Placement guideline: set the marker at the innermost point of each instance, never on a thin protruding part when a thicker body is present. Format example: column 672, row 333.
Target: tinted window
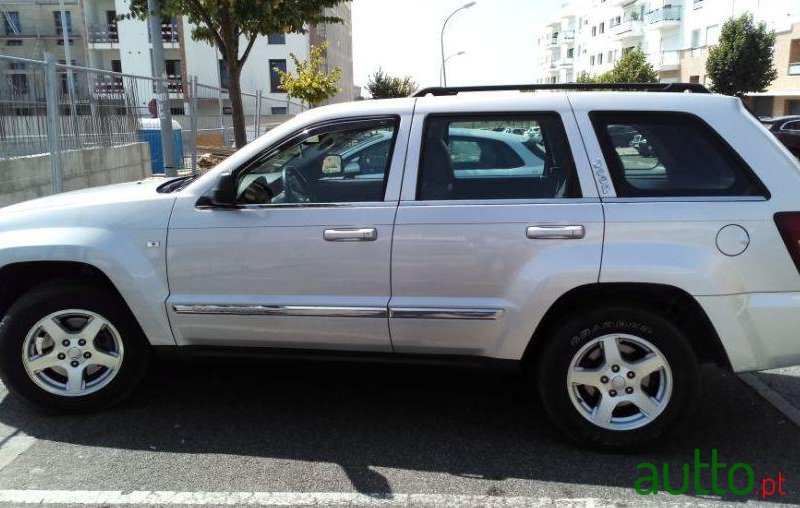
column 670, row 154
column 791, row 126
column 345, row 164
column 496, row 157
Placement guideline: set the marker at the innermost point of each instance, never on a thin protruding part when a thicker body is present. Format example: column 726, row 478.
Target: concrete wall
column 28, row 177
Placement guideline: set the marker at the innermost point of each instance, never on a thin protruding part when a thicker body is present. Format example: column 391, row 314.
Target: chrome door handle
column 351, row 235
column 556, row 232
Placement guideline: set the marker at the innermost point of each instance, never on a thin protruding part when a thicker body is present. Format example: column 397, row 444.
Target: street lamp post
column 444, row 25
column 445, row 63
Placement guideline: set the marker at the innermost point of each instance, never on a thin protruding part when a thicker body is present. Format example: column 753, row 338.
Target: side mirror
column 225, row 193
column 332, row 165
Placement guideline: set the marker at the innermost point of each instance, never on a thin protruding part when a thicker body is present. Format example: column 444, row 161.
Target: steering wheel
column 295, row 186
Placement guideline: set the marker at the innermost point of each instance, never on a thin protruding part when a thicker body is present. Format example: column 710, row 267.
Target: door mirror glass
column 352, row 168
column 332, row 165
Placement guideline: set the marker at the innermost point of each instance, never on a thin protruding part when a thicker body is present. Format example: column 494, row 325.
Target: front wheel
column 618, row 377
column 71, row 348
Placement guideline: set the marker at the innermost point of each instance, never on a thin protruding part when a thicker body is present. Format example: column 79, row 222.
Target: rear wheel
column 71, row 348
column 618, row 377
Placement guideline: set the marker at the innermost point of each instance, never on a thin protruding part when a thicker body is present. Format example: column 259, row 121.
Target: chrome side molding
column 351, row 312
column 282, row 310
column 445, row 313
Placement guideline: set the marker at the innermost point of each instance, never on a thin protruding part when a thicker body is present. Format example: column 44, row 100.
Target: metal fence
column 66, row 111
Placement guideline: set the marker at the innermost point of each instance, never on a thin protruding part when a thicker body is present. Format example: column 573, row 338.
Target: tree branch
column 200, row 11
column 247, row 49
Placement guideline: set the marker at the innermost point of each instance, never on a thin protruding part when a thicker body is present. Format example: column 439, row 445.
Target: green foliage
column 384, row 86
column 223, row 23
column 633, row 67
column 311, row 84
column 742, row 61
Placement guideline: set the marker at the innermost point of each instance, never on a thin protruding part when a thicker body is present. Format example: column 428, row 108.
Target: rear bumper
column 759, row 331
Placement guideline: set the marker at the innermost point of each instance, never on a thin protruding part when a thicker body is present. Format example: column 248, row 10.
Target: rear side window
column 656, row 154
column 496, row 157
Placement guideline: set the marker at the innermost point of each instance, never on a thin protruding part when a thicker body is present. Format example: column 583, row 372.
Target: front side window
column 502, row 157
column 657, row 154
column 342, row 164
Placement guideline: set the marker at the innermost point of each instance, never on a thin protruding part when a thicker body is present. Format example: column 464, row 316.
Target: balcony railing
column 664, row 14
column 103, row 33
column 174, row 84
column 112, row 84
column 169, row 32
column 567, row 36
column 631, row 26
column 670, row 60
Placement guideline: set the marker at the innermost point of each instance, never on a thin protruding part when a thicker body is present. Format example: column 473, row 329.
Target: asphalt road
column 399, row 435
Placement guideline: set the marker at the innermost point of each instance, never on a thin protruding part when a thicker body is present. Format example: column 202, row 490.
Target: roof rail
column 580, row 87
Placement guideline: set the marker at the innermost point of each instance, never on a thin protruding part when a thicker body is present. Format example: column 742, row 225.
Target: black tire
column 44, row 300
column 578, row 330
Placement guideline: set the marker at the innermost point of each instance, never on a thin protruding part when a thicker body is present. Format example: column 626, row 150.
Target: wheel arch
column 676, row 304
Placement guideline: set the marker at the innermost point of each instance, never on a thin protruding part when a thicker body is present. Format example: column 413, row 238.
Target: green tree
column 311, row 85
column 633, row 67
column 224, row 23
column 384, row 86
column 742, row 61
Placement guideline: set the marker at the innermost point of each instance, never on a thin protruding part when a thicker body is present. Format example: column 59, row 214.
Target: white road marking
column 167, row 498
column 775, row 398
column 13, row 446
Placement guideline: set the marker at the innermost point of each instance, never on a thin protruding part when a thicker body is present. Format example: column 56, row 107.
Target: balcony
column 669, row 61
column 103, row 35
column 630, row 29
column 552, row 41
column 174, row 85
column 567, row 37
column 663, row 18
column 107, row 85
column 566, row 62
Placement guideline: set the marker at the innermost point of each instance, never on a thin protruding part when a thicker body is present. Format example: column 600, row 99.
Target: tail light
column 789, row 226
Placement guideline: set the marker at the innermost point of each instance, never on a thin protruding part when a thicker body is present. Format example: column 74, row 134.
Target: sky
column 402, row 37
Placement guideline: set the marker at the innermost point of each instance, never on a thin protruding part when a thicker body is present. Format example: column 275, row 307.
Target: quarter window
column 670, row 154
column 340, row 164
column 502, row 157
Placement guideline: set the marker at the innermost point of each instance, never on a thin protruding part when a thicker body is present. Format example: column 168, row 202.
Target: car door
column 302, row 261
column 486, row 240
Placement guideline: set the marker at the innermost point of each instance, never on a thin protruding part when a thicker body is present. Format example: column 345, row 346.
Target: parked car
column 787, row 130
column 407, row 230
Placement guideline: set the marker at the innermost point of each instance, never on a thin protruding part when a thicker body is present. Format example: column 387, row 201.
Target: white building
column 590, row 36
column 100, row 41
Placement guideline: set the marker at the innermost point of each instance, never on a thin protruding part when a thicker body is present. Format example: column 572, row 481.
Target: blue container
column 150, row 131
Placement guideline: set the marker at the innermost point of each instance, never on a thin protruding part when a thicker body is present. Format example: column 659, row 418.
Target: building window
column 57, row 22
column 695, row 39
column 276, row 39
column 111, row 26
column 591, row 60
column 224, row 78
column 594, row 31
column 174, row 83
column 599, row 59
column 274, row 77
column 610, row 56
column 279, row 110
column 694, row 79
column 11, row 23
column 794, row 57
column 792, row 107
column 602, row 28
column 18, row 78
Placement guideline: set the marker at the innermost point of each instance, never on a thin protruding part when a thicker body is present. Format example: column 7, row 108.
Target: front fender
column 137, row 270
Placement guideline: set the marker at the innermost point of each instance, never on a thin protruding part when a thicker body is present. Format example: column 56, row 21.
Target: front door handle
column 556, row 232
column 351, row 235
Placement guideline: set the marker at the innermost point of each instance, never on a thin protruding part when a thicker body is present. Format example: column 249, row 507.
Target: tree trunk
column 237, row 108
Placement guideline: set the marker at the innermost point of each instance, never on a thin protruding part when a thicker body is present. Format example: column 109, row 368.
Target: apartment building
column 590, row 36
column 98, row 39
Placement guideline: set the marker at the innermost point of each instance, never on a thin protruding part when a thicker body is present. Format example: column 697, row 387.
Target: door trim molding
column 483, row 314
column 281, row 310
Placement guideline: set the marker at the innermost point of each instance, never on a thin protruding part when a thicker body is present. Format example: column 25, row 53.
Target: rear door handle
column 351, row 235
column 556, row 232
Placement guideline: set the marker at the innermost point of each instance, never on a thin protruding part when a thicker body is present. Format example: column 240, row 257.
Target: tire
column 577, row 383
column 87, row 368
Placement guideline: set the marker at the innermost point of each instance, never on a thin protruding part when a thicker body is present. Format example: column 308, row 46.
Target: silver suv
column 620, row 242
